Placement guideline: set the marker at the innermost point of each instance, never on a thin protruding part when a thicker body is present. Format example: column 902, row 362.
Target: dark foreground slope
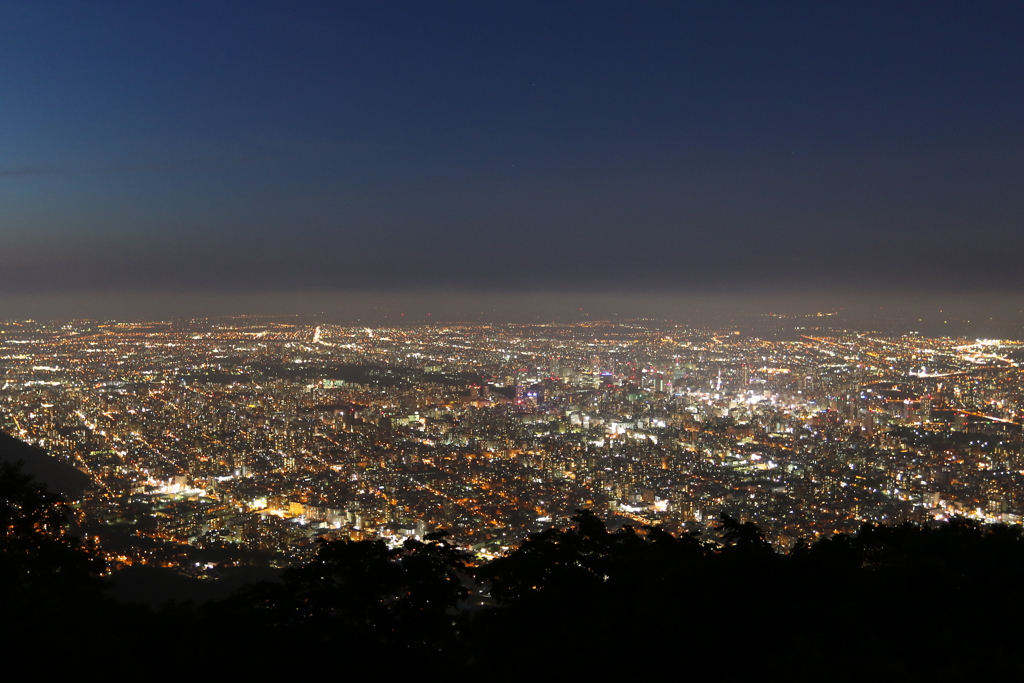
column 41, row 466
column 885, row 602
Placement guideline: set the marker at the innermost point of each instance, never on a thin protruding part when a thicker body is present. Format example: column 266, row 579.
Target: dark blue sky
column 161, row 158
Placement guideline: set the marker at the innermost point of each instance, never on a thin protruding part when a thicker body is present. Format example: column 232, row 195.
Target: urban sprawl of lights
column 244, row 438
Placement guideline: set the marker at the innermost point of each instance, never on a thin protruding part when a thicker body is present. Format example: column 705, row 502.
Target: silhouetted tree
column 40, row 563
column 370, row 596
column 743, row 539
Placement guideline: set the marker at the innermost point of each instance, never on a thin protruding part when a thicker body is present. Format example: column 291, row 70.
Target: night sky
column 193, row 158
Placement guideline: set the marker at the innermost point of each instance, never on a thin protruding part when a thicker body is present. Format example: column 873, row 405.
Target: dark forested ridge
column 886, row 601
column 36, row 462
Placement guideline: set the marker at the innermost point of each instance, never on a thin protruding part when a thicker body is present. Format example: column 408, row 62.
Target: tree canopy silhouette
column 368, row 594
column 42, row 567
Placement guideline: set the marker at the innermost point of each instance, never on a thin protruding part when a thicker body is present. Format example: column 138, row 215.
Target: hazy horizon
column 952, row 315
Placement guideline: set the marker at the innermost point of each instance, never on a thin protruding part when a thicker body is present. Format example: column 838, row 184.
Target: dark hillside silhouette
column 40, row 564
column 917, row 600
column 48, row 578
column 55, row 475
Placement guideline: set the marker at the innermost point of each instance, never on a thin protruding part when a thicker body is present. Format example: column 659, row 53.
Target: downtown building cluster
column 244, row 440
